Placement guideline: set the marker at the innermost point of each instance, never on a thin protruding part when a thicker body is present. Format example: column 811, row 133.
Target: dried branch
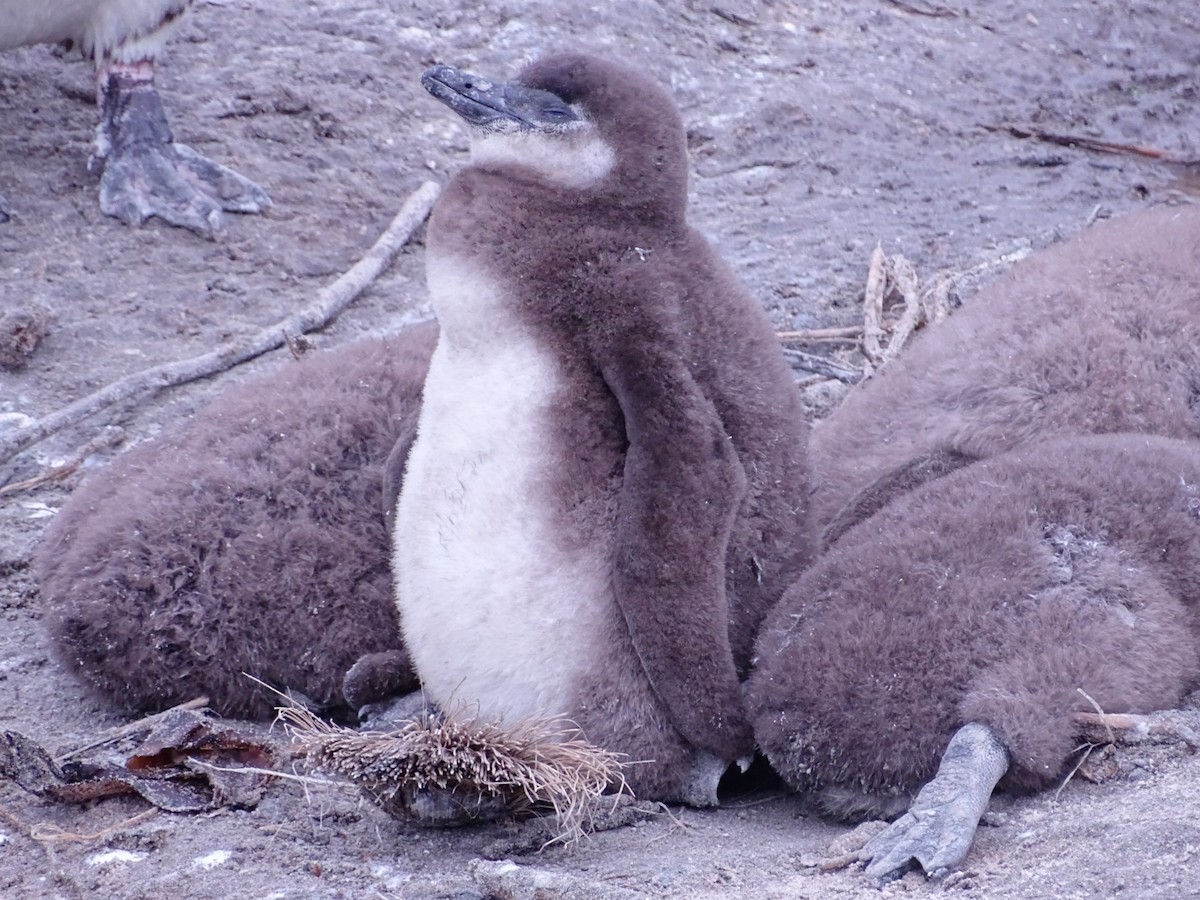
column 822, row 366
column 1094, row 144
column 328, row 304
column 873, row 295
column 109, row 437
column 845, row 333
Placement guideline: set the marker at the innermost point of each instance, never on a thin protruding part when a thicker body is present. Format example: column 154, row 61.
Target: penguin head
column 577, row 122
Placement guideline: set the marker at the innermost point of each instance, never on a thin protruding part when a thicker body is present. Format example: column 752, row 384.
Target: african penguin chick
column 250, row 540
column 969, row 621
column 145, row 172
column 607, row 487
column 1098, row 334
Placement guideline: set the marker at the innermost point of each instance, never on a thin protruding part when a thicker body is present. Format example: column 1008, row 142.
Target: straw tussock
column 536, row 763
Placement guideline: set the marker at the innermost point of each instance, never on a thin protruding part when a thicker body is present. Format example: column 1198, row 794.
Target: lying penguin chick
column 1098, row 334
column 145, row 172
column 601, row 502
column 970, row 620
column 251, row 540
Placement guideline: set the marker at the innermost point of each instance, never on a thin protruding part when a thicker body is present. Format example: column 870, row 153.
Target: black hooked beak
column 483, row 102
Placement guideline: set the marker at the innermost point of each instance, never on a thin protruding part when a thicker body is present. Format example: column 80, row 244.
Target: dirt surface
column 817, row 129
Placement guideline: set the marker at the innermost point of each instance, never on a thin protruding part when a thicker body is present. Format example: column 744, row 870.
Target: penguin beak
column 499, row 106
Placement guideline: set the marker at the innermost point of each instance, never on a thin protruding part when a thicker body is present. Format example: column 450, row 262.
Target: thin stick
column 822, row 366
column 873, row 295
column 331, row 301
column 1112, row 738
column 109, row 437
column 821, row 334
column 121, row 731
column 905, row 278
column 1087, row 143
column 933, row 12
column 49, row 831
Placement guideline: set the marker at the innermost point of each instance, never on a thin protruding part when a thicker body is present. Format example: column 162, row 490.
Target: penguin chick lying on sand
column 977, row 600
column 145, row 172
column 251, row 540
column 968, row 621
column 607, row 489
column 1098, row 334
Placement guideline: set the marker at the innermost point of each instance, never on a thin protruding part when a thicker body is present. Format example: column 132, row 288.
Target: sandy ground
column 817, row 129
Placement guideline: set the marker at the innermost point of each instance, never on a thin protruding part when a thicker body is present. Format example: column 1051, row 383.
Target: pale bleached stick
column 873, row 295
column 331, row 301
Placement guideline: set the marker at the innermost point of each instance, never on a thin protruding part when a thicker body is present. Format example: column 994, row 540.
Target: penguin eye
column 558, row 113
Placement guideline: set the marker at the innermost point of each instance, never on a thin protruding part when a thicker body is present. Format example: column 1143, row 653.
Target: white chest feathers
column 497, row 614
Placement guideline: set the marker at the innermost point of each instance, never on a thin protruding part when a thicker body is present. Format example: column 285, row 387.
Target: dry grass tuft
column 534, row 763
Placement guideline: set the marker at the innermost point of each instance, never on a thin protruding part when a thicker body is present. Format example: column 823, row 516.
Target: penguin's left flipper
column 682, row 487
column 147, row 174
column 938, row 828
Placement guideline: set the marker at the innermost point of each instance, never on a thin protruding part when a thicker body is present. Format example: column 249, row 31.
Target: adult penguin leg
column 146, row 173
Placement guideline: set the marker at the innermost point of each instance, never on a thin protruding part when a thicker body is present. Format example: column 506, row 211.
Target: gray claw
column 937, row 831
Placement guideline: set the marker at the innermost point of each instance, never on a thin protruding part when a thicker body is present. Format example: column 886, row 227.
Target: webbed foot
column 147, row 174
column 938, row 828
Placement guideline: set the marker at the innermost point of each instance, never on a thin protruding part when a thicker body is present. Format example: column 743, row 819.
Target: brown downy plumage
column 1007, row 593
column 1098, row 334
column 648, row 476
column 249, row 540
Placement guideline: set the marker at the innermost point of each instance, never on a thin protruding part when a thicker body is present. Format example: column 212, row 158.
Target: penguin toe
column 176, row 184
column 938, row 828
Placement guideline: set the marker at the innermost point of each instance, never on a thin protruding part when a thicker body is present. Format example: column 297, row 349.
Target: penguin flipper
column 887, row 487
column 682, row 487
column 147, row 174
column 938, row 828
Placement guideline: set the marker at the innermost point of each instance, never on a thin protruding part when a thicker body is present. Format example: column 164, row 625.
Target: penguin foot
column 378, row 676
column 147, row 174
column 938, row 828
column 437, row 807
column 1165, row 726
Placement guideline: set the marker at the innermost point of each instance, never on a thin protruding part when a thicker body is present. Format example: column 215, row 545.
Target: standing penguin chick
column 145, row 172
column 606, row 492
column 251, row 540
column 961, row 628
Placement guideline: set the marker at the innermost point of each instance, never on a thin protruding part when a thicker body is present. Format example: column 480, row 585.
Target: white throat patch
column 576, row 158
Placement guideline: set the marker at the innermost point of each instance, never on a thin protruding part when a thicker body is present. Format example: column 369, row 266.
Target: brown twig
column 848, row 332
column 822, row 366
column 109, row 437
column 933, row 12
column 49, row 831
column 873, row 294
column 1094, row 144
column 328, row 304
